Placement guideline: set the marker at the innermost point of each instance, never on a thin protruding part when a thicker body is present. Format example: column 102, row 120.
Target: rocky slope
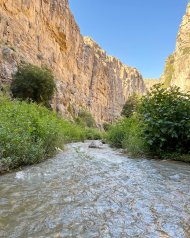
column 44, row 32
column 177, row 70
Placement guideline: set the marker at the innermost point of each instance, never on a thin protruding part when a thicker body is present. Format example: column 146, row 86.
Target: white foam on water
column 20, row 175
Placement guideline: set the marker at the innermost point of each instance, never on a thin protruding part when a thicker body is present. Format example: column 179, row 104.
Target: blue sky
column 141, row 33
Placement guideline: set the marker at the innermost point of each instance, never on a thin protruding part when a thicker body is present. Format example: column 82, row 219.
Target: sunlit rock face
column 150, row 82
column 181, row 75
column 44, row 32
column 180, row 64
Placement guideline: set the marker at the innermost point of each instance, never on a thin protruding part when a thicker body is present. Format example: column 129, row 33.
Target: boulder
column 96, row 145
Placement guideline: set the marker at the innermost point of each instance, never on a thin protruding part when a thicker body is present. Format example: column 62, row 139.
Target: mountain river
column 96, row 193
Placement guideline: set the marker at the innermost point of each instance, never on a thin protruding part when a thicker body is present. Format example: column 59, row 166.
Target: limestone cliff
column 177, row 70
column 150, row 82
column 167, row 76
column 44, row 32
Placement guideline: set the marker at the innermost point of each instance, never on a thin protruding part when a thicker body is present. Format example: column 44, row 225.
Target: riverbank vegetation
column 159, row 125
column 85, row 120
column 33, row 83
column 29, row 131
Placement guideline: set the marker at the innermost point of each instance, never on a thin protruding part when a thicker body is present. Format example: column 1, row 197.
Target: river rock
column 96, row 145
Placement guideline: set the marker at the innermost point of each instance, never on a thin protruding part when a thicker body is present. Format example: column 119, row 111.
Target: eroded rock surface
column 44, row 32
column 150, row 82
column 178, row 64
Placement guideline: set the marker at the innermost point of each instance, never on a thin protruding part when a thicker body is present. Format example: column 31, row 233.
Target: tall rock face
column 44, row 32
column 150, row 82
column 167, row 76
column 177, row 70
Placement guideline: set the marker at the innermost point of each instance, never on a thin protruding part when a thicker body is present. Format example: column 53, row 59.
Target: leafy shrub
column 166, row 115
column 33, row 83
column 85, row 119
column 30, row 133
column 134, row 140
column 117, row 133
column 130, row 106
column 93, row 134
column 106, row 126
column 128, row 133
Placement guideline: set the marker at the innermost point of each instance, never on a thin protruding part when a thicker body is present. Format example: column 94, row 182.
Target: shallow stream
column 96, row 193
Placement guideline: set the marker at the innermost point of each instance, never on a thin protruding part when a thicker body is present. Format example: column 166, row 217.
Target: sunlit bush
column 85, row 119
column 29, row 133
column 128, row 133
column 166, row 116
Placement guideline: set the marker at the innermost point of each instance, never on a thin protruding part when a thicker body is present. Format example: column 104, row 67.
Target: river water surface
column 96, row 193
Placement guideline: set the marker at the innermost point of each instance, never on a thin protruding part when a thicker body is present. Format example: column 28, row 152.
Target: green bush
column 166, row 115
column 33, row 83
column 85, row 119
column 161, row 125
column 134, row 140
column 128, row 133
column 130, row 106
column 117, row 133
column 30, row 133
column 106, row 126
column 93, row 134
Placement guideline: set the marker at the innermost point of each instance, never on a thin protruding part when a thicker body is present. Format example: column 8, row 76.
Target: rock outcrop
column 44, row 32
column 167, row 76
column 150, row 82
column 177, row 70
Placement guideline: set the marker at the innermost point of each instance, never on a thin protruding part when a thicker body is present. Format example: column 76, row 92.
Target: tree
column 130, row 105
column 33, row 83
column 166, row 115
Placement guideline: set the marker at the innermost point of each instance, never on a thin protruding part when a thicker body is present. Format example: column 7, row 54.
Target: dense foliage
column 130, row 106
column 160, row 126
column 166, row 115
column 85, row 119
column 128, row 133
column 33, row 83
column 93, row 134
column 30, row 133
column 106, row 126
column 88, row 123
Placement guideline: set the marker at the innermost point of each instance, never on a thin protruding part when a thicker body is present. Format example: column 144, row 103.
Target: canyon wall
column 177, row 69
column 44, row 32
column 150, row 82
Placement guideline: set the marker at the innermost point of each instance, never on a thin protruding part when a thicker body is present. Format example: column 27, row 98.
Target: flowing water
column 96, row 193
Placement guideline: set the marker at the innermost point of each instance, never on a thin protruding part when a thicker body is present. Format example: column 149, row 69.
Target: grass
column 128, row 134
column 176, row 157
column 30, row 133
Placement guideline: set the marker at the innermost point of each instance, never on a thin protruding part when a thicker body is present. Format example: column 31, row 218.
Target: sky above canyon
column 140, row 33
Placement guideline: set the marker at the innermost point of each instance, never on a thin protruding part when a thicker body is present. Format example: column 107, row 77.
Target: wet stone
column 96, row 144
